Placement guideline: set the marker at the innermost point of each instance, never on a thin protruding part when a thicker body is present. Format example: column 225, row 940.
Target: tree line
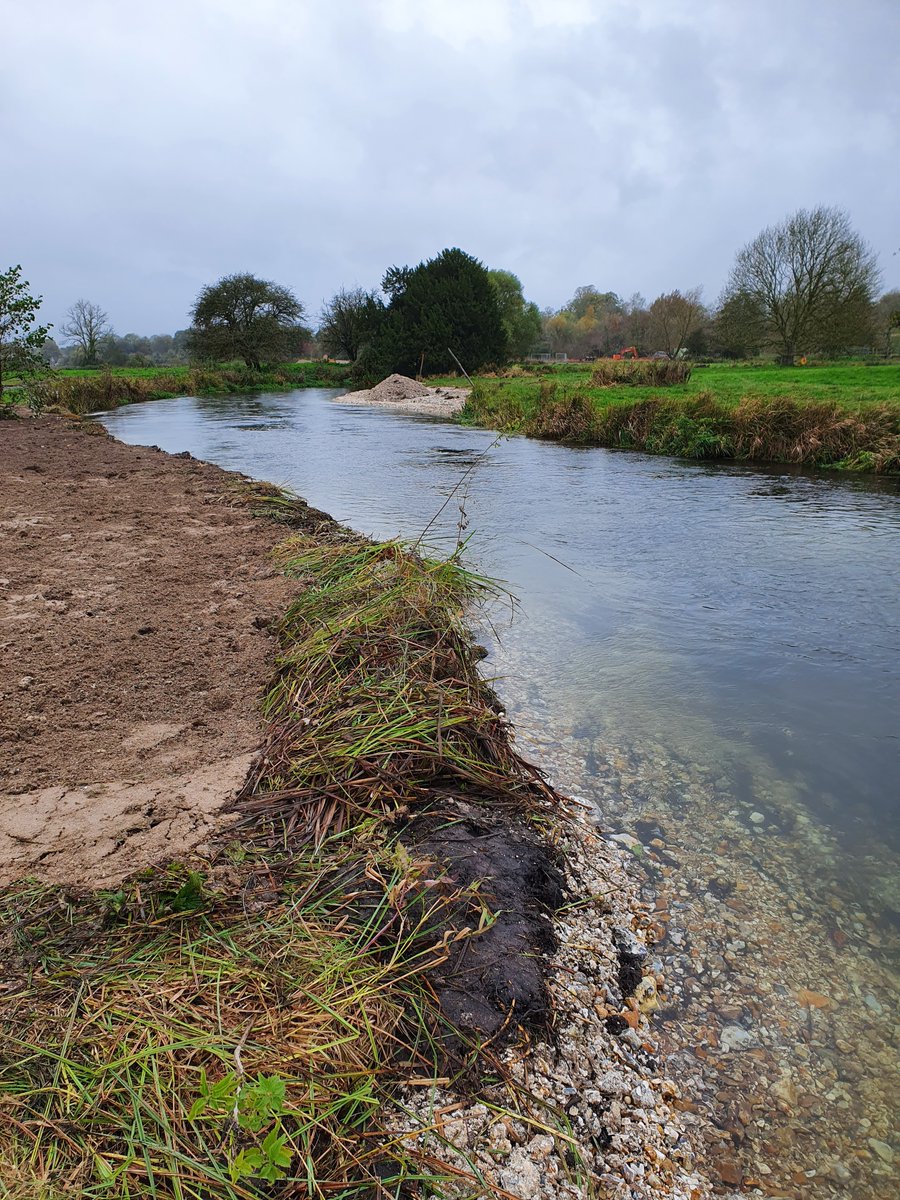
column 93, row 342
column 805, row 286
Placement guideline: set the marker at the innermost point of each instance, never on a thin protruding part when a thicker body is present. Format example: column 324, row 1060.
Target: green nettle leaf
column 271, row 1090
column 247, row 1162
column 216, row 1098
column 250, row 1120
column 276, row 1155
column 259, row 1106
column 260, row 1102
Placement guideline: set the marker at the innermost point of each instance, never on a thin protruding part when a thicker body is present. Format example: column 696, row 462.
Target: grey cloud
column 635, row 146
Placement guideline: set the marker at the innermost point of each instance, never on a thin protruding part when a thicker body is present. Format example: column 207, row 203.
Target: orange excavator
column 628, row 352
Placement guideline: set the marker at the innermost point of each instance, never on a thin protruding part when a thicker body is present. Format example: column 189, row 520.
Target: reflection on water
column 709, row 654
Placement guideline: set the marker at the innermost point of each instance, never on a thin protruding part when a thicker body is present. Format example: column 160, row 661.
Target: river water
column 708, row 654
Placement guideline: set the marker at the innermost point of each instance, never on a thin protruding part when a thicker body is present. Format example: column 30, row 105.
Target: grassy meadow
column 850, row 385
column 829, row 414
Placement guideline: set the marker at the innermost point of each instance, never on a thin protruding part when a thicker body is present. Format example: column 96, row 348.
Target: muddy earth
column 136, row 594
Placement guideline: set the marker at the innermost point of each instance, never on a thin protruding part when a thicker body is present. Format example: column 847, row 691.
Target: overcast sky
column 149, row 148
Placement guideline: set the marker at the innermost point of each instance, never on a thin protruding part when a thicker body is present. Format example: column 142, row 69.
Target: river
column 708, row 654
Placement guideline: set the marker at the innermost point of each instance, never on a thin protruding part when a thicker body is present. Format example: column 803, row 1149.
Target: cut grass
column 240, row 1030
column 125, row 1013
column 378, row 700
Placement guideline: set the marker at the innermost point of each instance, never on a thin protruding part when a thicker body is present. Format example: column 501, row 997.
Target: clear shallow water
column 708, row 654
column 723, row 612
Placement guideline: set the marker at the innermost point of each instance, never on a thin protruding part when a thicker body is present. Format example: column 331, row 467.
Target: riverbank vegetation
column 242, row 1026
column 828, row 415
column 81, row 392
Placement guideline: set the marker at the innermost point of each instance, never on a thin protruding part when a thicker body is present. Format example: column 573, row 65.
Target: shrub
column 572, row 420
column 640, row 372
column 824, row 434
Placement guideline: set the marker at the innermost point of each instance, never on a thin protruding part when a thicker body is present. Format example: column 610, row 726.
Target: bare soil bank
column 135, row 594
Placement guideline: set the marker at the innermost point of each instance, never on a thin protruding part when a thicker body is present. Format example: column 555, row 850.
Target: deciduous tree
column 243, row 317
column 636, row 323
column 588, row 301
column 739, row 328
column 803, row 276
column 591, row 324
column 21, row 340
column 348, row 322
column 887, row 321
column 674, row 316
column 521, row 319
column 86, row 324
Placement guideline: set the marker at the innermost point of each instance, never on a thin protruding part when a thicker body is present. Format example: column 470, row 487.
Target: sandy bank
column 401, row 394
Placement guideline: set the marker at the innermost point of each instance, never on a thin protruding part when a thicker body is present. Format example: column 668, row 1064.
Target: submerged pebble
column 770, row 1010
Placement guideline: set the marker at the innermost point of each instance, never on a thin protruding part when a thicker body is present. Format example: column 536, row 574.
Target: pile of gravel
column 402, row 394
column 398, row 387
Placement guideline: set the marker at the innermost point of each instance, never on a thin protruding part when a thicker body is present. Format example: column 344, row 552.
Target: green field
column 836, row 415
column 851, row 385
column 320, row 368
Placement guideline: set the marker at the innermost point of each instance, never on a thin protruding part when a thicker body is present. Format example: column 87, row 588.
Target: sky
column 150, row 148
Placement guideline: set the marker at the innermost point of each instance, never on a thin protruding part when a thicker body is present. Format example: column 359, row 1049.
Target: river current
column 708, row 654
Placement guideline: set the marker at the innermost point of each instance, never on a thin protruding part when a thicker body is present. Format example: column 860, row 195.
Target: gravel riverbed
column 593, row 1110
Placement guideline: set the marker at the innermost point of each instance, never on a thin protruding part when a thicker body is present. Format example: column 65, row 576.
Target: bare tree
column 86, row 324
column 887, row 321
column 739, row 328
column 348, row 321
column 802, row 275
column 674, row 316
